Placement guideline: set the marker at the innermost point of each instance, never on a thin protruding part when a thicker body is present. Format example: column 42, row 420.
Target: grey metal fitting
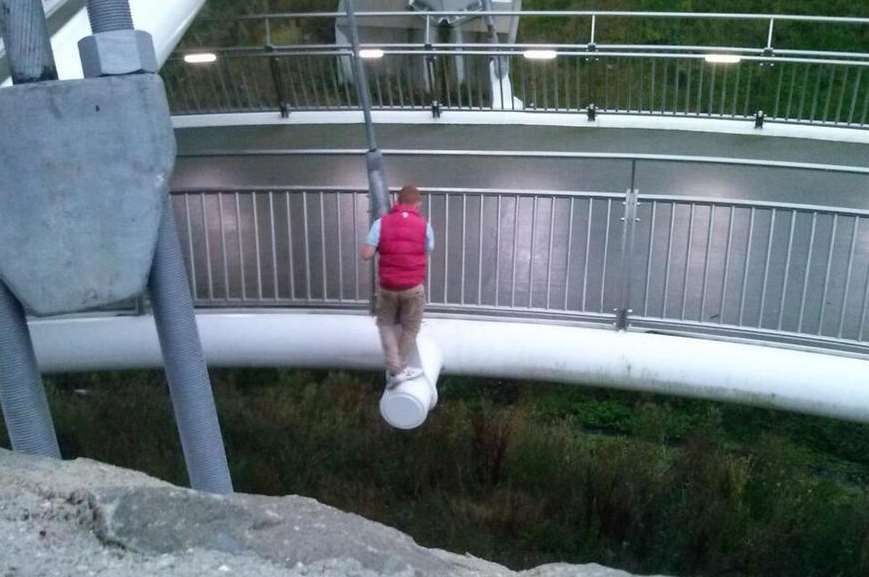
column 117, row 52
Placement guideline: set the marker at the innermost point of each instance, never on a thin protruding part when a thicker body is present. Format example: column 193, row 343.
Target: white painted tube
column 517, row 117
column 812, row 383
column 764, row 376
column 165, row 20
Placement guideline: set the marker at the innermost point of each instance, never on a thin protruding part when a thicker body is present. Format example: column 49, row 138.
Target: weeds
column 520, row 473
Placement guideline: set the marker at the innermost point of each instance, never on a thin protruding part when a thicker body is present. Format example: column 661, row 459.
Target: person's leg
column 387, row 313
column 410, row 314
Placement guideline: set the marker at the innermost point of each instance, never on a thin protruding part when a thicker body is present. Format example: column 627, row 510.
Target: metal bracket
column 142, row 306
column 758, row 119
column 629, row 219
column 621, row 323
column 74, row 237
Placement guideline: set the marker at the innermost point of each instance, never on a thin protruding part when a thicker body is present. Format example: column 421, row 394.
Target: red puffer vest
column 402, row 248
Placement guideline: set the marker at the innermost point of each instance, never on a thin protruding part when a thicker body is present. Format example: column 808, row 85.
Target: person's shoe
column 407, row 374
column 412, row 373
column 393, row 379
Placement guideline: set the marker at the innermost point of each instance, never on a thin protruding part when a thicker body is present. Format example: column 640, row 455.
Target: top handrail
column 543, row 154
column 764, row 46
column 549, row 13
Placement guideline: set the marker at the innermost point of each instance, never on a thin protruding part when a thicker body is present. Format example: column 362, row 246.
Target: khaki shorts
column 403, row 308
column 399, row 318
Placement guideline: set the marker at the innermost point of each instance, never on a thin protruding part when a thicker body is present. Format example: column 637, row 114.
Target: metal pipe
column 360, row 78
column 378, row 189
column 567, row 260
column 575, row 50
column 533, row 154
column 259, row 276
column 186, row 370
column 627, row 248
column 769, row 36
column 650, row 50
column 109, row 15
column 806, row 272
column 22, row 395
column 573, row 13
column 27, row 43
column 189, row 386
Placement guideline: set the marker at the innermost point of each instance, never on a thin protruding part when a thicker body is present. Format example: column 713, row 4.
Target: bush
column 520, row 473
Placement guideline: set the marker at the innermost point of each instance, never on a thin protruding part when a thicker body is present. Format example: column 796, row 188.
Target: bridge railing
column 729, row 268
column 785, row 84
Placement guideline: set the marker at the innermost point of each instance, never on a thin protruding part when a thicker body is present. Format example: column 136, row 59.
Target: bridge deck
column 750, row 252
column 532, row 174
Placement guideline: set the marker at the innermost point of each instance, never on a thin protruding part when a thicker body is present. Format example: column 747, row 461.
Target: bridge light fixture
column 540, row 54
column 371, row 53
column 723, row 58
column 200, row 58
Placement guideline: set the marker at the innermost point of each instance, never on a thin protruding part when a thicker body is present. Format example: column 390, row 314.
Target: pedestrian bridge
column 712, row 242
column 741, row 299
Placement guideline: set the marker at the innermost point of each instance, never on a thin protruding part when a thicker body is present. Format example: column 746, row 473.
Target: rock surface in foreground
column 83, row 518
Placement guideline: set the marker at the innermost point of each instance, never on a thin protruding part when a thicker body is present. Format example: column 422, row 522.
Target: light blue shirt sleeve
column 374, row 236
column 429, row 237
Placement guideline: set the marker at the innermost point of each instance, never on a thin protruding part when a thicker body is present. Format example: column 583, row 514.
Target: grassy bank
column 520, row 473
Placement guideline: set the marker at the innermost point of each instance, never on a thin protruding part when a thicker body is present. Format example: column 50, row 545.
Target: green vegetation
column 814, row 92
column 521, row 473
column 565, row 30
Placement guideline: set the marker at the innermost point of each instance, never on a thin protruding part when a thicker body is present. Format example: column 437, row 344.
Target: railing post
column 764, row 100
column 627, row 246
column 592, row 46
column 768, row 50
column 278, row 81
column 591, row 108
column 431, row 73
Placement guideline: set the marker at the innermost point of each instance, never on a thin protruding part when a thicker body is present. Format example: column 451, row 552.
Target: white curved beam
column 517, row 119
column 770, row 377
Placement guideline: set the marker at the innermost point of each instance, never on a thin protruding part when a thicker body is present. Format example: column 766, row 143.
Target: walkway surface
column 781, row 185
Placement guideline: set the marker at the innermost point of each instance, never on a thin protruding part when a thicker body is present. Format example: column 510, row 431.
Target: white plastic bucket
column 407, row 405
